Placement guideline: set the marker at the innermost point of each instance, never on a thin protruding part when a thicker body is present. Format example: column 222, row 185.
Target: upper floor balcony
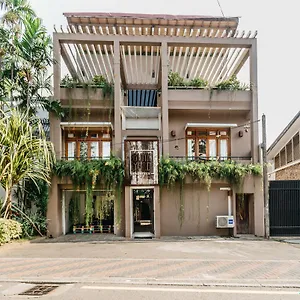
column 201, row 94
column 97, row 93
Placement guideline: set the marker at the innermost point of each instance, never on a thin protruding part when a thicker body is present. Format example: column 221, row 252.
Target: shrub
column 174, row 79
column 15, row 229
column 232, row 84
column 198, row 82
column 4, row 232
column 9, row 230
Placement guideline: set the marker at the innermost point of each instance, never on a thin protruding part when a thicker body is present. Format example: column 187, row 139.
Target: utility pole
column 265, row 178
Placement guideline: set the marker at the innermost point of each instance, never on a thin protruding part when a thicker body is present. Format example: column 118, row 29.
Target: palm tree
column 34, row 50
column 25, row 154
column 15, row 12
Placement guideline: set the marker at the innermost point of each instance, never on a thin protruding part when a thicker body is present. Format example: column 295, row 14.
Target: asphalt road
column 132, row 292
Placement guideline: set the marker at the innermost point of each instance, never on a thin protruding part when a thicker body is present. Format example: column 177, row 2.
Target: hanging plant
column 74, row 209
column 87, row 174
column 172, row 172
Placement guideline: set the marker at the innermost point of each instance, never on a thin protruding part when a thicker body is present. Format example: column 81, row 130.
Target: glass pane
column 94, row 149
column 83, row 150
column 223, row 149
column 191, row 148
column 212, row 148
column 105, row 150
column 71, row 150
column 202, row 147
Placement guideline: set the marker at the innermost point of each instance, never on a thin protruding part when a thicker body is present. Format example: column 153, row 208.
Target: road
column 216, row 268
column 133, row 292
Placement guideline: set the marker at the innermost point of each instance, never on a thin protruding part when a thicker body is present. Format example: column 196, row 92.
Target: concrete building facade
column 147, row 119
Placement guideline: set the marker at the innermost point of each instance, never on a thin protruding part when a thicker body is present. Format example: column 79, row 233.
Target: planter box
column 209, row 99
column 81, row 97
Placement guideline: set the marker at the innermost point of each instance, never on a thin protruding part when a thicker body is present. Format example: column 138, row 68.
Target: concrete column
column 164, row 98
column 127, row 212
column 157, row 211
column 117, row 101
column 258, row 207
column 254, row 107
column 54, row 210
column 54, row 204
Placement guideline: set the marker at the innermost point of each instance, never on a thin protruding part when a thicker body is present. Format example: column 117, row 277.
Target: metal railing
column 242, row 159
column 84, row 158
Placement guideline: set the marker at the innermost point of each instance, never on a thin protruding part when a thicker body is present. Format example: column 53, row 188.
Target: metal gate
column 284, row 205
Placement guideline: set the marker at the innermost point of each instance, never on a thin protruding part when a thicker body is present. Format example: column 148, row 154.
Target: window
column 84, row 144
column 208, row 143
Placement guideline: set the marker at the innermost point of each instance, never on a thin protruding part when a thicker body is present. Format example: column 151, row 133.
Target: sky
column 278, row 41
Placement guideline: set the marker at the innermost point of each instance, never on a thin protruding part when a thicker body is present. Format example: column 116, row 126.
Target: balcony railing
column 84, row 158
column 241, row 159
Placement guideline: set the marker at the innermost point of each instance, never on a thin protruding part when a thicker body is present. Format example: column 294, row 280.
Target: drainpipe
column 228, row 189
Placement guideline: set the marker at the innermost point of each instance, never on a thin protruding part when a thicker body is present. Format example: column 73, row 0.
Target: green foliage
column 25, row 55
column 98, row 81
column 232, row 84
column 87, row 174
column 174, row 79
column 74, row 209
column 198, row 82
column 172, row 172
column 39, row 222
column 25, row 153
column 9, row 230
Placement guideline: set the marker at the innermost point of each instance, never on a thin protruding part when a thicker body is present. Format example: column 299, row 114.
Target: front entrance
column 244, row 214
column 143, row 210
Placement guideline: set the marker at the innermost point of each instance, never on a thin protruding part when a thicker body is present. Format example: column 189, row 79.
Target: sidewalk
column 211, row 261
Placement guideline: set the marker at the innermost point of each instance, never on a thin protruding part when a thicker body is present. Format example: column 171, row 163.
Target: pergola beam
column 213, row 42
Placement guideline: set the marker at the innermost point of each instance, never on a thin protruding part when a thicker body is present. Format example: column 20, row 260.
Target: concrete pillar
column 127, row 212
column 117, row 145
column 54, row 204
column 54, row 214
column 258, row 207
column 157, row 211
column 254, row 107
column 164, row 98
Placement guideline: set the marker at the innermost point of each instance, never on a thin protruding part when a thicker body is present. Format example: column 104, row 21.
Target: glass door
column 143, row 210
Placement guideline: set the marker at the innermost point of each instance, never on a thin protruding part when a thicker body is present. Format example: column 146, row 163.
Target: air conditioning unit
column 224, row 221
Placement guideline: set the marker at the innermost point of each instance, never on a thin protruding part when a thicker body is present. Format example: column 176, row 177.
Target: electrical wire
column 221, row 8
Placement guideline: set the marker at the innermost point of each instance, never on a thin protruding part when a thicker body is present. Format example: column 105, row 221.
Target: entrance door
column 143, row 210
column 244, row 214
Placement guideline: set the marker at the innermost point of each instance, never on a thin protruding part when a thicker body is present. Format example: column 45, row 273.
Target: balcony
column 80, row 97
column 197, row 98
column 141, row 118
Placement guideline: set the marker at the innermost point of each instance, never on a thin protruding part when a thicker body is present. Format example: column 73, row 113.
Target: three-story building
column 163, row 86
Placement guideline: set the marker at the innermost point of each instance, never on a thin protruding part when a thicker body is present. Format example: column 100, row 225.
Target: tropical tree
column 25, row 58
column 25, row 154
column 15, row 11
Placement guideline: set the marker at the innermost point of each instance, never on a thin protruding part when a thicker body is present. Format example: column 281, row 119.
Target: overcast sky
column 278, row 41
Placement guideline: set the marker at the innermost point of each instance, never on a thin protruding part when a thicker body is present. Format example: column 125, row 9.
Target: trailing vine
column 172, row 172
column 98, row 81
column 88, row 174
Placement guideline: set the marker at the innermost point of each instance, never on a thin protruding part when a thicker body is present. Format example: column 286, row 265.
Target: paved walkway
column 164, row 270
column 210, row 262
